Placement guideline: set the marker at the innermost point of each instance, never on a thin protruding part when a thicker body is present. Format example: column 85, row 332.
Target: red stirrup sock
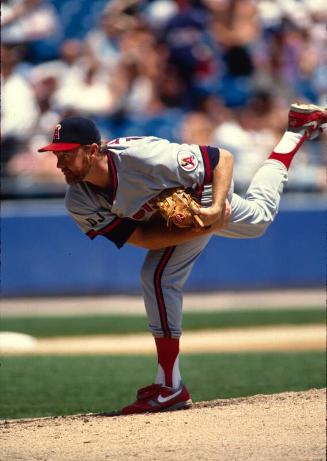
column 168, row 362
column 288, row 147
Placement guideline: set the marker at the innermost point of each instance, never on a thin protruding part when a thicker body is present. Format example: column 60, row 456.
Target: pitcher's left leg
column 252, row 215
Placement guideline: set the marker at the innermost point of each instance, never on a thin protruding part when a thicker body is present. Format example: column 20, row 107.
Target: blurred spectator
column 197, row 128
column 86, row 92
column 185, row 36
column 137, row 79
column 28, row 167
column 31, row 24
column 26, row 20
column 103, row 42
column 250, row 144
column 19, row 111
column 235, row 28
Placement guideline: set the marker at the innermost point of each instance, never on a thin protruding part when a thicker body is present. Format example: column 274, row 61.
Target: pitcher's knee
column 258, row 230
column 260, row 222
column 244, row 231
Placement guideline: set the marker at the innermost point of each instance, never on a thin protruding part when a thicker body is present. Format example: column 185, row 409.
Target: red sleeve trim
column 108, row 228
column 207, row 165
column 113, row 170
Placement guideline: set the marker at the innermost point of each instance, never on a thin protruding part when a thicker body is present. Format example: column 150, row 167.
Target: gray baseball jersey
column 141, row 167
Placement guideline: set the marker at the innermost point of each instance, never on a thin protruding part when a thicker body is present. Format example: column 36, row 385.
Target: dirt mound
column 288, row 426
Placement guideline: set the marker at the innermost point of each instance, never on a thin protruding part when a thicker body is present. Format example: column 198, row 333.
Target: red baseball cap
column 73, row 132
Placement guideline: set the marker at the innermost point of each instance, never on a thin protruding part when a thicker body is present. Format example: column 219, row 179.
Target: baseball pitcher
column 170, row 199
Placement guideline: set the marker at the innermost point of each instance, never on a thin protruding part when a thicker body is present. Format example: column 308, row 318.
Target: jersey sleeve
column 118, row 231
column 210, row 158
column 101, row 222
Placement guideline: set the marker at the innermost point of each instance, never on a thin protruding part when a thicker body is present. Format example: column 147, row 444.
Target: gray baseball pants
column 165, row 271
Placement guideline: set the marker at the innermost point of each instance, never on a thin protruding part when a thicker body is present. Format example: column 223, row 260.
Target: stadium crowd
column 217, row 72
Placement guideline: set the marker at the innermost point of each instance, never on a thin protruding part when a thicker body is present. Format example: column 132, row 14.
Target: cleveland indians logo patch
column 56, row 134
column 187, row 161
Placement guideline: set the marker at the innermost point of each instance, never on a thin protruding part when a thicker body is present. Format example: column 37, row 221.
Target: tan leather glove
column 178, row 208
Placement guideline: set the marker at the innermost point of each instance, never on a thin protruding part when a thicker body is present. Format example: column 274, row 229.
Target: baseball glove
column 178, row 208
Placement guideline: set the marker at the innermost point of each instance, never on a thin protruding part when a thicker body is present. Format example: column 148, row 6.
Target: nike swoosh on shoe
column 162, row 399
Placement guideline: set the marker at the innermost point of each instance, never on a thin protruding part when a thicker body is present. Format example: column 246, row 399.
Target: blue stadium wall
column 44, row 253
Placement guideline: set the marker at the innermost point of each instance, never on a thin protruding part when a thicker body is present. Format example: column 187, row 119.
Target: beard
column 76, row 177
column 73, row 178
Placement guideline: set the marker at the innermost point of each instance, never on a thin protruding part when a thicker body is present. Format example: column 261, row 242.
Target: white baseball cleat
column 307, row 117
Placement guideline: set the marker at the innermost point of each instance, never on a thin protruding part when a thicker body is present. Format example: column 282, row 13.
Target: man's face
column 75, row 164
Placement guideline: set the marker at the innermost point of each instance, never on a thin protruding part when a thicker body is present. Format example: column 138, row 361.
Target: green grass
column 57, row 385
column 117, row 324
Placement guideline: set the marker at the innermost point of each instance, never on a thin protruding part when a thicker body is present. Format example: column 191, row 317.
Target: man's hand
column 210, row 215
column 215, row 216
column 224, row 220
